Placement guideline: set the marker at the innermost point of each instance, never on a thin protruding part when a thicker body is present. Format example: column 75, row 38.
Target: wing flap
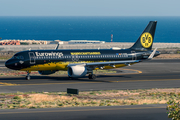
column 112, row 62
column 101, row 64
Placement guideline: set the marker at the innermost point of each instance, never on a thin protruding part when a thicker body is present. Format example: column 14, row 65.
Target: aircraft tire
column 28, row 77
column 70, row 77
column 92, row 76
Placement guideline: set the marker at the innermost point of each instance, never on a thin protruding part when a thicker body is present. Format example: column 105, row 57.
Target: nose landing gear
column 28, row 75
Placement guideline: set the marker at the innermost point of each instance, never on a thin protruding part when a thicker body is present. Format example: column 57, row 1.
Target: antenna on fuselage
column 57, row 46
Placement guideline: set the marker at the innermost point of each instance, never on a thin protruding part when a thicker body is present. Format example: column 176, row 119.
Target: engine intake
column 77, row 71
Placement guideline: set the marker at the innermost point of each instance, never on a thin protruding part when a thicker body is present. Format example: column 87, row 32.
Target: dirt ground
column 90, row 98
column 168, row 56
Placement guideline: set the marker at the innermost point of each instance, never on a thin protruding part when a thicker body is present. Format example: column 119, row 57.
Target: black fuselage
column 26, row 59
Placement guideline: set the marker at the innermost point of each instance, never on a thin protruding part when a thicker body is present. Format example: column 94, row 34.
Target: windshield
column 18, row 57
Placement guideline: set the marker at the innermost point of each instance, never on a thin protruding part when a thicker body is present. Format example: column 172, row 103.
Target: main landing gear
column 92, row 76
column 28, row 75
column 70, row 77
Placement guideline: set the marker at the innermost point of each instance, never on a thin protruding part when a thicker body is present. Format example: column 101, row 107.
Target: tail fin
column 145, row 40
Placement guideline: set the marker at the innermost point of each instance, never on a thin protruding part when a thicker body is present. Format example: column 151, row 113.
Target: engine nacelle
column 47, row 72
column 77, row 71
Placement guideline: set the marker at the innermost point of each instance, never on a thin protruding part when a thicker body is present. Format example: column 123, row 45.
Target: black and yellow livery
column 78, row 62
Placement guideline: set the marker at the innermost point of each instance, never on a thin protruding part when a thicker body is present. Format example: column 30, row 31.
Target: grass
column 32, row 100
column 4, row 58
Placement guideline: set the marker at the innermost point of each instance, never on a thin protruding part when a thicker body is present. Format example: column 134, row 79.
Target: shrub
column 92, row 102
column 1, row 104
column 173, row 109
column 60, row 104
column 108, row 104
column 101, row 104
column 16, row 97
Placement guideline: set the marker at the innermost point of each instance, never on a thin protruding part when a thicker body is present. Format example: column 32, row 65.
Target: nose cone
column 12, row 64
column 8, row 64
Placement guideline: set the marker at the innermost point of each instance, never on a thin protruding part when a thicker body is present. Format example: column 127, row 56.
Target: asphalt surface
column 2, row 63
column 135, row 112
column 155, row 74
column 147, row 74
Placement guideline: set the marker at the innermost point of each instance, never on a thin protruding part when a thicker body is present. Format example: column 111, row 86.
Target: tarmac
column 161, row 73
column 133, row 112
column 156, row 73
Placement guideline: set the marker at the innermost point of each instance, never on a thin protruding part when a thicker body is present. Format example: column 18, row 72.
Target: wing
column 102, row 64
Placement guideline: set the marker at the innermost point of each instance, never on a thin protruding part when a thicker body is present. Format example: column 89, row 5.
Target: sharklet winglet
column 152, row 54
column 57, row 47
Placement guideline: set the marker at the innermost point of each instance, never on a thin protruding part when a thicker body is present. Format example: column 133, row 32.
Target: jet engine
column 77, row 71
column 47, row 72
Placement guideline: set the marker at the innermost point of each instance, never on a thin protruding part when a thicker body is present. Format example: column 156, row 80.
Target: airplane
column 80, row 62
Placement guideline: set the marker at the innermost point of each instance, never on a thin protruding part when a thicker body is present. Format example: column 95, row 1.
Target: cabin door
column 133, row 55
column 32, row 58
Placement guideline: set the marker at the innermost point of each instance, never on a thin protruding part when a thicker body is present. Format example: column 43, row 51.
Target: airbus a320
column 79, row 63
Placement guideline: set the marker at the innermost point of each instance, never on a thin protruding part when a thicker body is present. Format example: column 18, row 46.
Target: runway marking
column 137, row 72
column 95, row 82
column 134, row 70
column 132, row 108
column 7, row 84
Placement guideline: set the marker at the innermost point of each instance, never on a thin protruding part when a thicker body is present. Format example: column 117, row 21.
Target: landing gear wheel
column 28, row 77
column 70, row 77
column 92, row 76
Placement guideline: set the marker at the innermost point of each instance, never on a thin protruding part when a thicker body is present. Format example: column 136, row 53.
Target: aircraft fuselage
column 38, row 60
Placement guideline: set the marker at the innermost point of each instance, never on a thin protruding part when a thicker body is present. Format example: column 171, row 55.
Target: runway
column 148, row 74
column 2, row 63
column 135, row 112
column 144, row 75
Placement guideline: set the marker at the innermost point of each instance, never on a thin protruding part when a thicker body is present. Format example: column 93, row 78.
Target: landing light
column 113, row 66
column 127, row 64
column 101, row 68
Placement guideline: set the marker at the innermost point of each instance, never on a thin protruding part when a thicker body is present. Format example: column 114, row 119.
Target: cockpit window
column 18, row 57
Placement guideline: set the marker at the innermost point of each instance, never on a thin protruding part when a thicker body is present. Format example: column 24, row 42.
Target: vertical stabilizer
column 145, row 40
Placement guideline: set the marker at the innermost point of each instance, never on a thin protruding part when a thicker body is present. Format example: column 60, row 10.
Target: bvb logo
column 146, row 40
